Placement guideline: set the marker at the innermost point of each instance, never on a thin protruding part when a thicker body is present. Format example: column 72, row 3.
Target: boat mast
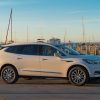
column 83, row 30
column 65, row 37
column 11, row 27
column 10, row 22
column 27, row 34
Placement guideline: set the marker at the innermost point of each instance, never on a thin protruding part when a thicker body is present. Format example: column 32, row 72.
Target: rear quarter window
column 13, row 49
column 2, row 48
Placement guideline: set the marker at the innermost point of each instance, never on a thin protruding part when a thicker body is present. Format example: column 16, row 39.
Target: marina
column 49, row 49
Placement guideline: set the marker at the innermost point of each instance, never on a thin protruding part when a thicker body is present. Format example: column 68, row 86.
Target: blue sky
column 51, row 18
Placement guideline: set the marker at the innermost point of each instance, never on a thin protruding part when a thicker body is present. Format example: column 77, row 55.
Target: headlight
column 91, row 61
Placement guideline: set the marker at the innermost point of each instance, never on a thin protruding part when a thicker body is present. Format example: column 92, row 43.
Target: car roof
column 15, row 44
column 39, row 43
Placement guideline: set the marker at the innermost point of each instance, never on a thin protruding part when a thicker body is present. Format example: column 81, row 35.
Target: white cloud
column 92, row 20
column 18, row 2
column 6, row 2
column 86, row 20
column 77, row 12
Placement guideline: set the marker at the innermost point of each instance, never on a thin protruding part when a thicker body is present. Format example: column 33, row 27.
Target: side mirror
column 57, row 55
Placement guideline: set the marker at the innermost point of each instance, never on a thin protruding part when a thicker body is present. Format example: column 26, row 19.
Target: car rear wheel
column 9, row 74
column 78, row 76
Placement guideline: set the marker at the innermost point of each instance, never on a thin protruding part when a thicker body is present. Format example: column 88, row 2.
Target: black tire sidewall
column 69, row 76
column 15, row 74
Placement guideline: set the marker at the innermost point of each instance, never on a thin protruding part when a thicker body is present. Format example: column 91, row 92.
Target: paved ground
column 49, row 90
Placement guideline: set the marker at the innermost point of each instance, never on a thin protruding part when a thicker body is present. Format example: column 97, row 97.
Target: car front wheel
column 78, row 76
column 9, row 74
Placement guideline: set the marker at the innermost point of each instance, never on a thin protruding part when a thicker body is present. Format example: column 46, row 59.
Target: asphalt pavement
column 49, row 89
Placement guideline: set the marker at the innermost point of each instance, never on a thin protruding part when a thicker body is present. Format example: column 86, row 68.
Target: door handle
column 19, row 58
column 44, row 59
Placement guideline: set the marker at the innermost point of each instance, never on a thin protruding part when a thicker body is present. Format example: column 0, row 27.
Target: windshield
column 67, row 50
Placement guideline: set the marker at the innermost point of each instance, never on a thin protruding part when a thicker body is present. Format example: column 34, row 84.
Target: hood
column 91, row 57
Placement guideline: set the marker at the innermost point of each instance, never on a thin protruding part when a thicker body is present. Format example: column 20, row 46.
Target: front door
column 51, row 65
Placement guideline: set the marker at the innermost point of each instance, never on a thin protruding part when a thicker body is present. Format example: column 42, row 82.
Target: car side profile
column 45, row 60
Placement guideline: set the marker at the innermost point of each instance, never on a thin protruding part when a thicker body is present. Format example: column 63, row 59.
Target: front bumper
column 94, row 70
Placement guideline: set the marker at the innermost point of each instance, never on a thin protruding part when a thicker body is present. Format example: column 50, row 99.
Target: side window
column 30, row 50
column 48, row 50
column 24, row 49
column 14, row 49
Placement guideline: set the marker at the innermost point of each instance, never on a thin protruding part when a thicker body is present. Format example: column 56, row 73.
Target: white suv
column 45, row 60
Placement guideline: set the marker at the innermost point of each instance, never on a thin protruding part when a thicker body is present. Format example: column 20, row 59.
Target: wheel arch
column 8, row 65
column 78, row 66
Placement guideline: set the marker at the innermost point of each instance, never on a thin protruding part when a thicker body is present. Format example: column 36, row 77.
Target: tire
column 78, row 76
column 9, row 74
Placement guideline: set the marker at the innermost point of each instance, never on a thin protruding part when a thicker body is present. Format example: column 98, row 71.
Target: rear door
column 28, row 60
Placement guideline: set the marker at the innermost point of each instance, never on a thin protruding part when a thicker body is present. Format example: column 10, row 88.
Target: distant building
column 54, row 41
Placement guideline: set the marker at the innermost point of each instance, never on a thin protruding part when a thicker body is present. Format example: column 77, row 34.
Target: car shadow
column 51, row 81
column 93, row 82
column 43, row 81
